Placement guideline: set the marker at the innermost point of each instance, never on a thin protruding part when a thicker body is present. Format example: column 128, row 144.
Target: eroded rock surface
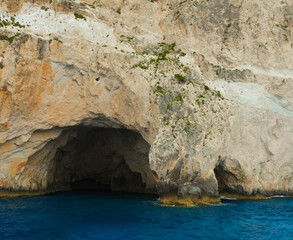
column 205, row 87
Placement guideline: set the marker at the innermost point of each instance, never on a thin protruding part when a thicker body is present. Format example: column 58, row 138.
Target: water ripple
column 88, row 216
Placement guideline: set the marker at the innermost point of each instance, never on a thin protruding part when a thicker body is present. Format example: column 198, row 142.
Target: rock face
column 189, row 99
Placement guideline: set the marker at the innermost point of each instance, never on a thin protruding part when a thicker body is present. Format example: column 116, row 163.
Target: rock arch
column 87, row 157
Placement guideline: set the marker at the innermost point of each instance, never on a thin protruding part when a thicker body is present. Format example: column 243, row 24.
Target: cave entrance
column 229, row 178
column 223, row 177
column 104, row 159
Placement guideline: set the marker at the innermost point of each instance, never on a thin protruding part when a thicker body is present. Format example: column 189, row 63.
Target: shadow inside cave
column 103, row 159
column 228, row 180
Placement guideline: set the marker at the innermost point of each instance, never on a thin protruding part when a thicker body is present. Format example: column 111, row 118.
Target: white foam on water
column 277, row 196
column 227, row 198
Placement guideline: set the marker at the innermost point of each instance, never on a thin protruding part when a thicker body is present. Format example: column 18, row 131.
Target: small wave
column 227, row 198
column 219, row 204
column 157, row 203
column 277, row 196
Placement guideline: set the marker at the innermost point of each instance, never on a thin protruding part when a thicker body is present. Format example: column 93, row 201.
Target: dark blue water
column 127, row 216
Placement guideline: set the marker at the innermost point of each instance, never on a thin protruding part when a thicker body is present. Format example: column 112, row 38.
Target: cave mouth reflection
column 104, row 159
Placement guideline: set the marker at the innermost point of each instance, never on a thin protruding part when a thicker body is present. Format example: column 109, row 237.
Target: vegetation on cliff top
column 9, row 39
column 164, row 63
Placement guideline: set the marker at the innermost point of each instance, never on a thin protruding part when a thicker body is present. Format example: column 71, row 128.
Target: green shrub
column 180, row 78
column 79, row 16
column 8, row 39
column 206, row 87
column 57, row 39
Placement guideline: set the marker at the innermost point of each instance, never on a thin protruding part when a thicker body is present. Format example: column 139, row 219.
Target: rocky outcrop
column 89, row 89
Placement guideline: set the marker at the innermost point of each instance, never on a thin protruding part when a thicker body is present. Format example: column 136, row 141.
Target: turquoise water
column 128, row 216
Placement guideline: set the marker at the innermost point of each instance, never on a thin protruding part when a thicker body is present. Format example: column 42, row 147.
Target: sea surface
column 88, row 215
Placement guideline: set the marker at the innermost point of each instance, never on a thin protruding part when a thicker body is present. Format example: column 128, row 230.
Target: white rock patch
column 50, row 24
column 272, row 72
column 253, row 95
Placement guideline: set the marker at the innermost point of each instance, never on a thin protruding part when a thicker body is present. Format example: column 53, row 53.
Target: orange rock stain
column 3, row 126
column 172, row 164
column 4, row 183
column 202, row 14
column 15, row 166
column 19, row 166
column 156, row 177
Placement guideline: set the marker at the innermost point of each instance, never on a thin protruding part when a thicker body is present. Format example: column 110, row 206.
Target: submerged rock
column 190, row 99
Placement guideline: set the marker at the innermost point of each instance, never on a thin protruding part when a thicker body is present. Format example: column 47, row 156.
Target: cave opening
column 228, row 179
column 221, row 177
column 103, row 159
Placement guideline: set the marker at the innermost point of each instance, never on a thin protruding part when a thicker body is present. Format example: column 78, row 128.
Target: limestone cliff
column 191, row 99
